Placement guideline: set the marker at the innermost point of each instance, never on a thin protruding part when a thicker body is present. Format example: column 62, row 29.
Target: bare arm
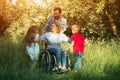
column 86, row 42
column 39, row 40
column 70, row 46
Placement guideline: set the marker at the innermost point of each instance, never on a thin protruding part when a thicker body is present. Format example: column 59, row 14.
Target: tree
column 98, row 18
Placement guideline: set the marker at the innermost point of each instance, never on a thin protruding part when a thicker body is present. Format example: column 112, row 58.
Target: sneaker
column 69, row 69
column 63, row 70
column 55, row 69
column 60, row 71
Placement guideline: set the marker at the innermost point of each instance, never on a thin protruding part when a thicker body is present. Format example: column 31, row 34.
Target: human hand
column 64, row 49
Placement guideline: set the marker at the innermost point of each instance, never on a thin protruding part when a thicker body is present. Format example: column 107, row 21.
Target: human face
column 37, row 31
column 73, row 29
column 56, row 14
column 53, row 28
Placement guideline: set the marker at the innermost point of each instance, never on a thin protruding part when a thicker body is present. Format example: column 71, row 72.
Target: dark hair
column 30, row 36
column 58, row 8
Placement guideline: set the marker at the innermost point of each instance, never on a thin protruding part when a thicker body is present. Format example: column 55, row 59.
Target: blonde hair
column 75, row 27
column 58, row 25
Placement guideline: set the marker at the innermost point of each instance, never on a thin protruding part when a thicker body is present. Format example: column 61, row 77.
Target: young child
column 78, row 42
column 31, row 41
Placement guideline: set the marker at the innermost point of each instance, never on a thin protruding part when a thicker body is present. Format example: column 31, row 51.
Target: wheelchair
column 47, row 61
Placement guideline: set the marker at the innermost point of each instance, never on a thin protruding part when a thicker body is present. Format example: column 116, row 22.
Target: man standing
column 57, row 18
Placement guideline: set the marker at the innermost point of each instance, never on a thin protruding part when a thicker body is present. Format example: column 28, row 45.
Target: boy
column 78, row 42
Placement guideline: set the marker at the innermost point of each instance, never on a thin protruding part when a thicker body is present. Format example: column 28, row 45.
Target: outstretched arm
column 86, row 42
column 39, row 40
column 70, row 46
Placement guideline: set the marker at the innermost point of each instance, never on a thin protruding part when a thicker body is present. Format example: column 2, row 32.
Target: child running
column 78, row 42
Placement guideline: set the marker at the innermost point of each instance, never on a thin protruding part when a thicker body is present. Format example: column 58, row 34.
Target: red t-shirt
column 78, row 43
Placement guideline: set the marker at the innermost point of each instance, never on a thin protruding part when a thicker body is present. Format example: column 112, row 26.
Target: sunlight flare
column 37, row 2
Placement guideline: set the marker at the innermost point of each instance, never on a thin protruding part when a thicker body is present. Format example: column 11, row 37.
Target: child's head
column 33, row 30
column 75, row 28
column 30, row 36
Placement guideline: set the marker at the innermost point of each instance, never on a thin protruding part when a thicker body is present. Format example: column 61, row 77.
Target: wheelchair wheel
column 45, row 61
column 68, row 63
column 53, row 67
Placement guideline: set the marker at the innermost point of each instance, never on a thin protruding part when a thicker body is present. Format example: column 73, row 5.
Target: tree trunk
column 112, row 22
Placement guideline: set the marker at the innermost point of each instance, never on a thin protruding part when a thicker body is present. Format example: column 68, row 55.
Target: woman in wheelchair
column 54, row 39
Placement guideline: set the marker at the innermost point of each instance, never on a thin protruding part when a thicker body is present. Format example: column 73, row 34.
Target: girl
column 31, row 42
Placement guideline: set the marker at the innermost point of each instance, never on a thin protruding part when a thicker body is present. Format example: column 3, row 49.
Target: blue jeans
column 60, row 56
column 77, row 61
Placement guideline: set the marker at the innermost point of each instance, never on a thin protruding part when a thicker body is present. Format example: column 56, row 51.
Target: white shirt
column 54, row 40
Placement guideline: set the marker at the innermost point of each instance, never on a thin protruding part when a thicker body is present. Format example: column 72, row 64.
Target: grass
column 101, row 61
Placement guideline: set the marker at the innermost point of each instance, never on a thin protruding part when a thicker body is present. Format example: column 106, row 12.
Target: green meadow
column 101, row 61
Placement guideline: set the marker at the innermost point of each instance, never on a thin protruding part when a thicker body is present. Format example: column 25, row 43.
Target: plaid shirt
column 62, row 21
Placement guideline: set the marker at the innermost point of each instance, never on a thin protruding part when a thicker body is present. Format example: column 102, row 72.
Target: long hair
column 58, row 25
column 30, row 36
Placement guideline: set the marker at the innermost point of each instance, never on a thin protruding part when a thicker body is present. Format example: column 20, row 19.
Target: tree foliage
column 89, row 14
